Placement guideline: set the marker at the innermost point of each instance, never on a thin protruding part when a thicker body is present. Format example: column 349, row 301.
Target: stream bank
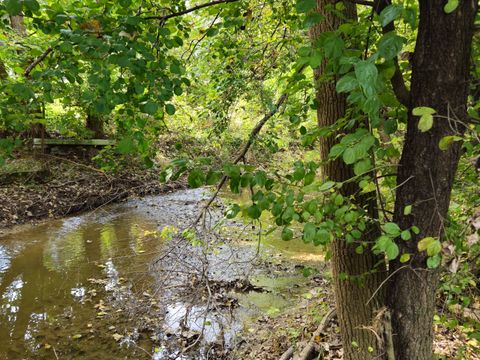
column 118, row 283
column 45, row 186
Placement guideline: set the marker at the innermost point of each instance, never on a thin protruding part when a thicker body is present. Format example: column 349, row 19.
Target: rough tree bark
column 440, row 78
column 355, row 312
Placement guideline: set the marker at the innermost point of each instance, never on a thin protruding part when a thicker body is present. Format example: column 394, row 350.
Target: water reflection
column 47, row 279
column 4, row 259
column 47, row 271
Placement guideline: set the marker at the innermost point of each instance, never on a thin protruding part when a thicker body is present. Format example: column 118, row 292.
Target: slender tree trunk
column 35, row 129
column 440, row 74
column 94, row 123
column 355, row 312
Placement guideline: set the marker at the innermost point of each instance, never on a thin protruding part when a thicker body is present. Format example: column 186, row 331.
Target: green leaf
column 196, row 178
column 213, row 177
column 336, row 150
column 277, row 209
column 232, row 171
column 415, row 230
column 425, row 123
column 260, row 178
column 434, row 261
column 254, row 212
column 445, row 142
column 338, row 200
column 312, row 19
column 298, row 174
column 388, row 246
column 170, row 109
column 392, row 250
column 406, row 235
column 287, row 234
column 404, row 258
column 434, row 248
column 126, row 145
column 347, row 83
column 423, row 110
column 178, row 90
column 150, row 107
column 309, row 178
column 423, row 244
column 333, row 46
column 326, row 186
column 309, row 232
column 451, row 6
column 32, row 5
column 232, row 211
column 362, row 166
column 407, row 210
column 322, row 237
column 367, row 74
column 431, row 245
column 349, row 156
column 304, row 6
column 212, row 31
column 390, row 45
column 391, row 229
column 390, row 126
column 311, row 206
column 14, row 7
column 390, row 13
column 426, row 117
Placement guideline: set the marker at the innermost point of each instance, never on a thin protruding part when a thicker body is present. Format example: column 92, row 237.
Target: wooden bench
column 48, row 143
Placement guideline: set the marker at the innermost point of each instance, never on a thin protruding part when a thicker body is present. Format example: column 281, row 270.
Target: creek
column 79, row 287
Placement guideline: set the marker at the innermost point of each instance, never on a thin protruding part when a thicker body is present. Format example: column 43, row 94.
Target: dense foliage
column 146, row 69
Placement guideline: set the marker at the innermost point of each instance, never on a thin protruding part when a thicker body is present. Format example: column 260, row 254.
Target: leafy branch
column 186, row 11
column 37, row 61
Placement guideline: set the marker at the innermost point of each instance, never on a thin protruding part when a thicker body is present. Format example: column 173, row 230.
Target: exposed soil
column 50, row 186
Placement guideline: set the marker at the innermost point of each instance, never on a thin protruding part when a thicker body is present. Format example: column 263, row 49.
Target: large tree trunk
column 355, row 312
column 440, row 74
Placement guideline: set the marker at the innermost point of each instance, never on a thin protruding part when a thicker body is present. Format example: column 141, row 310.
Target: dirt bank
column 36, row 188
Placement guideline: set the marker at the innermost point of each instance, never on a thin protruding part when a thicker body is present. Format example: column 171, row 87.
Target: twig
column 362, row 2
column 384, row 282
column 180, row 13
column 243, row 152
column 203, row 37
column 287, row 354
column 55, row 353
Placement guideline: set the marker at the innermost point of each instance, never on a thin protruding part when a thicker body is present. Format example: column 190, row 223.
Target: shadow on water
column 48, row 307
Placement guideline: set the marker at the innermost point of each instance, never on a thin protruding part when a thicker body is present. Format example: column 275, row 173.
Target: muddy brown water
column 57, row 281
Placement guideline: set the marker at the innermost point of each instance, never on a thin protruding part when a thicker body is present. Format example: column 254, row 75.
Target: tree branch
column 243, row 152
column 362, row 2
column 180, row 13
column 37, row 61
column 398, row 82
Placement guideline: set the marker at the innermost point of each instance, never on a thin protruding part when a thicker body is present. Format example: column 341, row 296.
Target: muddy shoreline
column 62, row 187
